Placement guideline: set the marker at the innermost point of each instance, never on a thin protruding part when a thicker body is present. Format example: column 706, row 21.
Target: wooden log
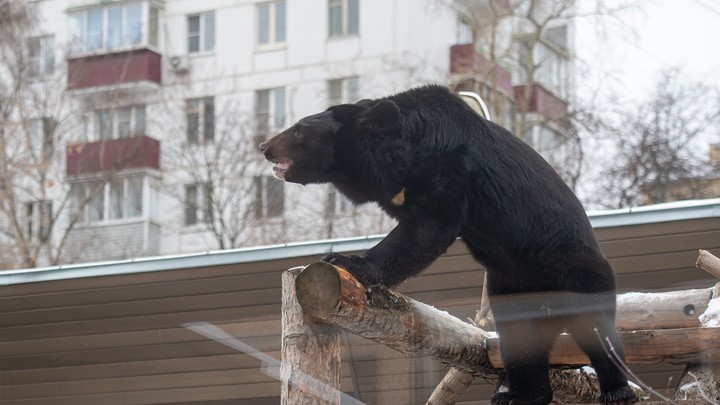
column 674, row 346
column 310, row 365
column 666, row 310
column 332, row 295
column 708, row 262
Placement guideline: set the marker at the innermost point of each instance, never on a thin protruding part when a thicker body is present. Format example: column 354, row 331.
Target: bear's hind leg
column 588, row 330
column 525, row 346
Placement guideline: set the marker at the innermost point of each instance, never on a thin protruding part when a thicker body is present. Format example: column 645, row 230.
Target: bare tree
column 37, row 210
column 659, row 148
column 534, row 37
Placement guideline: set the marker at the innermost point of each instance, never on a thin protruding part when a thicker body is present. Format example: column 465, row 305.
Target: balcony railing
column 542, row 102
column 465, row 60
column 113, row 155
column 140, row 67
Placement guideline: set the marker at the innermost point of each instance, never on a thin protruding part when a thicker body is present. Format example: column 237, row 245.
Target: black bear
column 444, row 172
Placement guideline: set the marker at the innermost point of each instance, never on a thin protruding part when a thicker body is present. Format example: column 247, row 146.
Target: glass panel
column 133, row 27
column 134, row 197
column 353, row 90
column 116, row 199
column 94, row 29
column 208, row 202
column 353, row 16
column 115, row 27
column 280, row 22
column 264, row 24
column 76, row 28
column 48, row 48
column 104, row 125
column 139, row 120
column 209, row 31
column 194, row 34
column 275, row 197
column 124, row 118
column 259, row 196
column 209, row 119
column 335, row 18
column 193, row 121
column 279, row 116
column 96, row 206
column 334, row 92
column 34, row 50
column 262, row 111
column 153, row 28
column 191, row 204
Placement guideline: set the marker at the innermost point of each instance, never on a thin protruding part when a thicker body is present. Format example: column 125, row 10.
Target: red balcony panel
column 111, row 155
column 464, row 60
column 140, row 65
column 542, row 102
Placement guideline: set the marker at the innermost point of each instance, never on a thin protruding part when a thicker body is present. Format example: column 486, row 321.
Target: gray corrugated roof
column 676, row 211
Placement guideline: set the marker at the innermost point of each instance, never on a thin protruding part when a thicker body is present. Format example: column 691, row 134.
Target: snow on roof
column 674, row 211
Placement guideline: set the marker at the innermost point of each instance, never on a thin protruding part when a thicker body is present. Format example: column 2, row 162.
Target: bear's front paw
column 357, row 266
column 506, row 398
column 619, row 396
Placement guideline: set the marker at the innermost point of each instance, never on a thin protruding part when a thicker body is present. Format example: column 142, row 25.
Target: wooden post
column 310, row 368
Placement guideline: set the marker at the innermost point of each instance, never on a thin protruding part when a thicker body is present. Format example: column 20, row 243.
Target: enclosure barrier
column 319, row 300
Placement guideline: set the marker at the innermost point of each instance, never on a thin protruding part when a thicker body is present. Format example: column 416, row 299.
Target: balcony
column 135, row 69
column 543, row 103
column 466, row 61
column 112, row 155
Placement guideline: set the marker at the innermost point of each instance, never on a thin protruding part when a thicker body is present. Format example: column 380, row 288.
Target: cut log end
column 318, row 288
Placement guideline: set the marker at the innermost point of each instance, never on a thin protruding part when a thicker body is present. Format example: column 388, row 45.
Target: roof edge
column 666, row 212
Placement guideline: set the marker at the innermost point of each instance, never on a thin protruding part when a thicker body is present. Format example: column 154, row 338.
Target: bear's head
column 309, row 151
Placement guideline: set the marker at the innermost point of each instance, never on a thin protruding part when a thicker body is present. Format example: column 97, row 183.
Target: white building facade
column 169, row 100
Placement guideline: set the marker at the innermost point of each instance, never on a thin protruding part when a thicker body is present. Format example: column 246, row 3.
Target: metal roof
column 666, row 212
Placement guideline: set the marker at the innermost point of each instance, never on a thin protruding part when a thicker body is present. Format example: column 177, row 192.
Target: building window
column 201, row 32
column 200, row 118
column 112, row 27
column 337, row 203
column 547, row 59
column 38, row 220
column 271, row 23
column 343, row 17
column 117, row 199
column 269, row 112
column 41, row 56
column 120, row 122
column 41, row 135
column 342, row 91
column 198, row 203
column 465, row 31
column 269, row 197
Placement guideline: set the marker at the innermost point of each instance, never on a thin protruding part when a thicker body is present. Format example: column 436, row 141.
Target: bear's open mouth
column 281, row 168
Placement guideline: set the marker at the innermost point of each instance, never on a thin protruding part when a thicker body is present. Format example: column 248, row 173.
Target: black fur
column 443, row 171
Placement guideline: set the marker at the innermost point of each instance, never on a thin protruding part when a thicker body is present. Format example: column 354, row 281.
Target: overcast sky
column 665, row 33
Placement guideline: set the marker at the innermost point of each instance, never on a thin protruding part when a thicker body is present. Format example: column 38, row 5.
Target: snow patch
column 711, row 316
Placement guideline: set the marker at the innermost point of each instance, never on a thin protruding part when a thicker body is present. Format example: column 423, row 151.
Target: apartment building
column 146, row 114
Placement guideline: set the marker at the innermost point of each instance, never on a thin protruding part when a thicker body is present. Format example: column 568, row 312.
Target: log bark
column 708, row 262
column 310, row 365
column 332, row 295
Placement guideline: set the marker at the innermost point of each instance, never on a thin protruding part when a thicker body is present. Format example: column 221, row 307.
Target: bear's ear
column 384, row 115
